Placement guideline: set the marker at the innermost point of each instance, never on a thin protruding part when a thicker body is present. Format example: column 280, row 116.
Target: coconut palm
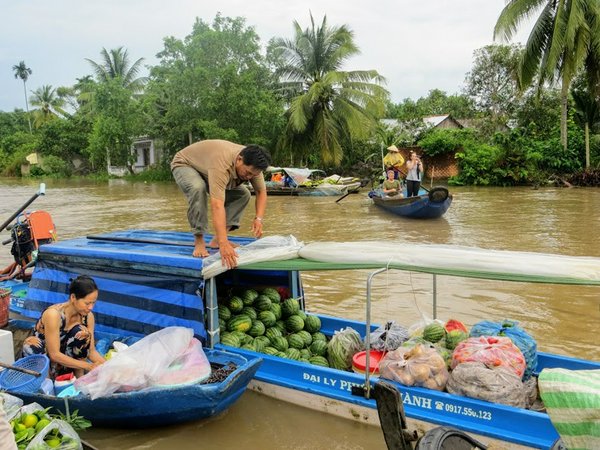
column 23, row 72
column 49, row 105
column 587, row 114
column 326, row 104
column 116, row 64
column 561, row 39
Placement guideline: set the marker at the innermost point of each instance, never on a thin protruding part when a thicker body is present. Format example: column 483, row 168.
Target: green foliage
column 16, row 147
column 440, row 141
column 157, row 173
column 53, row 165
column 437, row 102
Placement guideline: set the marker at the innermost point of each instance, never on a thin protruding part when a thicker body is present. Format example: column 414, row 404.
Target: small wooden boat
column 157, row 406
column 307, row 183
column 425, row 206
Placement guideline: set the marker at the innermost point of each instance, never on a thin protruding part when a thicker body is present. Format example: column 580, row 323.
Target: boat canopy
column 452, row 260
column 299, row 176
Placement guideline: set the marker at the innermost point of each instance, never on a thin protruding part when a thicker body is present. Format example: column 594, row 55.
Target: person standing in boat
column 393, row 160
column 414, row 167
column 217, row 169
column 65, row 331
column 391, row 186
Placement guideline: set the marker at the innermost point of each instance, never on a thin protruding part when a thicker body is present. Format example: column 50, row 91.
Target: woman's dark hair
column 82, row 286
column 256, row 156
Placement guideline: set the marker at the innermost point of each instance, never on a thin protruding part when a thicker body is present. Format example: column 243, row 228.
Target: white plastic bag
column 57, row 435
column 10, row 404
column 146, row 363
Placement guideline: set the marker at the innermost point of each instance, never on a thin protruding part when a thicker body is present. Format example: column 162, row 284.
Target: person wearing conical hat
column 393, row 160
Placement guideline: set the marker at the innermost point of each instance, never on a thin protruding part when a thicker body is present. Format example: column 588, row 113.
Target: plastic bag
column 518, row 335
column 493, row 351
column 417, row 366
column 388, row 337
column 270, row 248
column 57, row 435
column 10, row 404
column 342, row 347
column 146, row 363
column 493, row 384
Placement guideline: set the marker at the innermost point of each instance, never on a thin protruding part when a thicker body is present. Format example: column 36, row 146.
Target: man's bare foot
column 214, row 244
column 200, row 250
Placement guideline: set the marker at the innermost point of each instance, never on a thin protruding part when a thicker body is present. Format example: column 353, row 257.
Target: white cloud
column 416, row 45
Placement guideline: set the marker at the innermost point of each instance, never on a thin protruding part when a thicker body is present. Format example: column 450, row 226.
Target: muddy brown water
column 563, row 319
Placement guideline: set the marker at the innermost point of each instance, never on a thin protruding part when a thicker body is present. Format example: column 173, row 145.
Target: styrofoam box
column 7, row 352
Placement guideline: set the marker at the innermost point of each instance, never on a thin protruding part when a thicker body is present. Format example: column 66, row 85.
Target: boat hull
column 420, row 207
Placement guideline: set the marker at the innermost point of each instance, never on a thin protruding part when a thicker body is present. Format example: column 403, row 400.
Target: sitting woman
column 65, row 331
column 391, row 186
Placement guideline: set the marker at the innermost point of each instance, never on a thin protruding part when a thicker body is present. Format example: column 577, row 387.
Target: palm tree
column 562, row 37
column 115, row 64
column 326, row 104
column 23, row 72
column 49, row 104
column 587, row 114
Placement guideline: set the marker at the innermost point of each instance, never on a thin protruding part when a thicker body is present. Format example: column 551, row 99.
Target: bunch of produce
column 342, row 347
column 491, row 351
column 420, row 365
column 264, row 322
column 444, row 337
column 38, row 430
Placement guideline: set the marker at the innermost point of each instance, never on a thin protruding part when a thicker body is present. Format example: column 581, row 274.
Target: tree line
column 530, row 112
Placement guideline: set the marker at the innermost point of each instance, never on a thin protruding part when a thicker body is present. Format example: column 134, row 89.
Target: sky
column 417, row 45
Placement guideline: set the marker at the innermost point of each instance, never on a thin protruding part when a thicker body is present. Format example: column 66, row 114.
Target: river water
column 563, row 319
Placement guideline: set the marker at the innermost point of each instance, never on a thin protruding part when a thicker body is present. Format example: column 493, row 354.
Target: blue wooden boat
column 157, row 406
column 424, row 206
column 143, row 278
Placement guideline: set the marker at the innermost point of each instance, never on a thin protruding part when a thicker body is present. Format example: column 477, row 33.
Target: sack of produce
column 495, row 384
column 492, row 351
column 417, row 366
column 10, row 404
column 342, row 347
column 518, row 335
column 58, row 434
column 388, row 337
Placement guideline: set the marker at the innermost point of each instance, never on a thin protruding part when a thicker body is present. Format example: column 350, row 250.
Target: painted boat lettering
column 328, row 381
column 463, row 410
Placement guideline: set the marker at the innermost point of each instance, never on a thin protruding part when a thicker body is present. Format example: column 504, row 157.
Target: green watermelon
column 272, row 333
column 270, row 351
column 281, row 325
column 318, row 336
column 235, row 304
column 264, row 341
column 305, row 335
column 280, row 343
column 301, row 314
column 222, row 324
column 454, row 337
column 257, row 328
column 272, row 294
column 434, row 332
column 267, row 317
column 224, row 313
column 294, row 323
column 239, row 323
column 250, row 312
column 312, row 323
column 319, row 348
column 276, row 310
column 295, row 341
column 248, row 347
column 230, row 340
column 318, row 360
column 262, row 303
column 304, row 360
column 249, row 296
column 289, row 307
column 293, row 353
column 305, row 353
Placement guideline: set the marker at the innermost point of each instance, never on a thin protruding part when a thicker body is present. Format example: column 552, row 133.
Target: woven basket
column 4, row 301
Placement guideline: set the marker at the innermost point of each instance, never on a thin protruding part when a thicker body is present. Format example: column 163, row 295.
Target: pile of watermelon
column 263, row 322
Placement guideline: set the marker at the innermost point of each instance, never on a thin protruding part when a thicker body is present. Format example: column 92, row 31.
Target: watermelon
column 280, row 343
column 260, row 345
column 276, row 309
column 239, row 323
column 304, row 360
column 230, row 340
column 270, row 351
column 454, row 337
column 272, row 333
column 222, row 324
column 250, row 312
column 248, row 347
column 281, row 325
column 267, row 317
column 257, row 328
column 235, row 304
column 434, row 332
column 293, row 353
column 224, row 313
column 249, row 296
column 318, row 336
column 319, row 348
column 306, row 336
column 294, row 323
column 289, row 307
column 272, row 294
column 301, row 314
column 262, row 303
column 305, row 353
column 295, row 341
column 452, row 325
column 318, row 360
column 264, row 341
column 312, row 323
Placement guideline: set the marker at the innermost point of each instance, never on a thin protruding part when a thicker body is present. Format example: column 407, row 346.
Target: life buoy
column 438, row 194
